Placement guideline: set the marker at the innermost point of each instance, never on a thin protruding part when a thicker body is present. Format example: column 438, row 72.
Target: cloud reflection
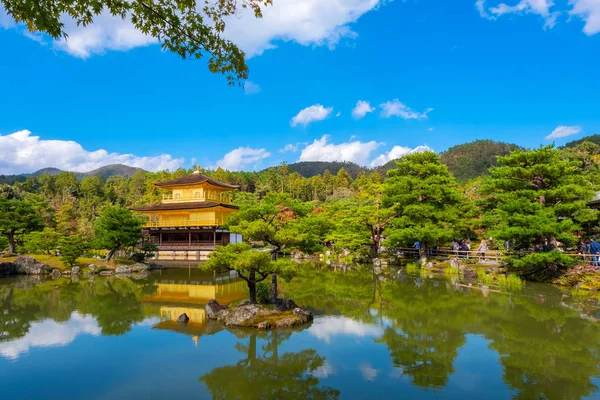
column 49, row 333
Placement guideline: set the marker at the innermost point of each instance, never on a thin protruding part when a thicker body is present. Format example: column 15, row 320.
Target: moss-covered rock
column 259, row 316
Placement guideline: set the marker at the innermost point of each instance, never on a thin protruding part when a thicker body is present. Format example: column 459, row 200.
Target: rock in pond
column 107, row 272
column 30, row 266
column 285, row 305
column 213, row 308
column 75, row 270
column 7, row 268
column 183, row 319
column 55, row 273
column 92, row 268
column 263, row 317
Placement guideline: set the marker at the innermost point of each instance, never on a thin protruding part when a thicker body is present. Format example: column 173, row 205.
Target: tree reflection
column 114, row 303
column 268, row 375
column 546, row 350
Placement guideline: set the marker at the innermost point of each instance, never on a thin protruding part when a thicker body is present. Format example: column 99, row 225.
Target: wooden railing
column 216, row 197
column 492, row 255
column 182, row 222
column 186, row 246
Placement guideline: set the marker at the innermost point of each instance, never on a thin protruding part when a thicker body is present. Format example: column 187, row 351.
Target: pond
column 375, row 336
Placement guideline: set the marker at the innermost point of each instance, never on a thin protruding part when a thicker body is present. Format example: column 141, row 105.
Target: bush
column 263, row 293
column 71, row 248
column 553, row 260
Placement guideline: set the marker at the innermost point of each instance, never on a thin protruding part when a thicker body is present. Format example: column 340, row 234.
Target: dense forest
column 533, row 199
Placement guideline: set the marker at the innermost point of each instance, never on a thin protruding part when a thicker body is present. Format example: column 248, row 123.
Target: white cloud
column 326, row 328
column 251, row 87
column 307, row 22
column 589, row 11
column 21, row 152
column 396, row 153
column 108, row 32
column 290, row 147
column 563, row 131
column 539, row 7
column 362, row 108
column 311, row 114
column 241, row 158
column 49, row 333
column 321, row 150
column 395, row 108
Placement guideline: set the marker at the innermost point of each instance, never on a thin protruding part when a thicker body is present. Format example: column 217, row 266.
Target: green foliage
column 17, row 217
column 3, row 243
column 42, row 242
column 189, row 29
column 595, row 139
column 426, row 198
column 548, row 260
column 537, row 198
column 309, row 169
column 470, row 160
column 71, row 248
column 117, row 228
column 251, row 265
column 263, row 293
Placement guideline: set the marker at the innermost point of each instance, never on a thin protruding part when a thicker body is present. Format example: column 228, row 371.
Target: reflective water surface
column 375, row 336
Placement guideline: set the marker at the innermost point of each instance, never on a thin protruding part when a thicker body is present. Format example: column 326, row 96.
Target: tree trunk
column 12, row 249
column 252, row 286
column 274, row 289
column 110, row 255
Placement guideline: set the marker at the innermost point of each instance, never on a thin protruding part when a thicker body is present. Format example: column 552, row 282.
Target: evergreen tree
column 427, row 200
column 71, row 248
column 17, row 217
column 252, row 266
column 538, row 199
column 117, row 228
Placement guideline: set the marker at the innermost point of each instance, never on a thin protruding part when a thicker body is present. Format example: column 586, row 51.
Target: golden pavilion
column 186, row 225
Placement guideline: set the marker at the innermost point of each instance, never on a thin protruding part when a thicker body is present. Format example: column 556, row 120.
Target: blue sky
column 435, row 73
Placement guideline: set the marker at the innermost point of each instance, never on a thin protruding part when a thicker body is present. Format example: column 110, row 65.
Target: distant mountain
column 593, row 138
column 112, row 170
column 49, row 171
column 106, row 172
column 470, row 160
column 311, row 168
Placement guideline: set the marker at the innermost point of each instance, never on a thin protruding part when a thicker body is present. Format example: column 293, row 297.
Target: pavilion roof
column 192, row 205
column 194, row 179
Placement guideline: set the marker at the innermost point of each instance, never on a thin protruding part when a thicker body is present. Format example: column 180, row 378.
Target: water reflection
column 374, row 334
column 265, row 373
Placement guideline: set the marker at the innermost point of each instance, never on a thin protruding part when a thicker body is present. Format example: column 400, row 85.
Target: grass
column 451, row 271
column 55, row 263
column 412, row 268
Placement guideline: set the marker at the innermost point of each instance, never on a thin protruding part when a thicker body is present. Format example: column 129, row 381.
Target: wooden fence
column 491, row 255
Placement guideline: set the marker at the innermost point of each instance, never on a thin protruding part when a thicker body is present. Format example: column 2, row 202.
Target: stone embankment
column 26, row 265
column 284, row 314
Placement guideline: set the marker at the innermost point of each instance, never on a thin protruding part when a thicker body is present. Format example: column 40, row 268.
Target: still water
column 375, row 336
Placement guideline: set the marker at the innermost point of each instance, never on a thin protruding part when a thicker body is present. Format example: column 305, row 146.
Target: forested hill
column 106, row 172
column 311, row 168
column 593, row 139
column 470, row 160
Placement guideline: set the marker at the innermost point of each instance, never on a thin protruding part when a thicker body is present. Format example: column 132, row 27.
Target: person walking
column 482, row 250
column 594, row 251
